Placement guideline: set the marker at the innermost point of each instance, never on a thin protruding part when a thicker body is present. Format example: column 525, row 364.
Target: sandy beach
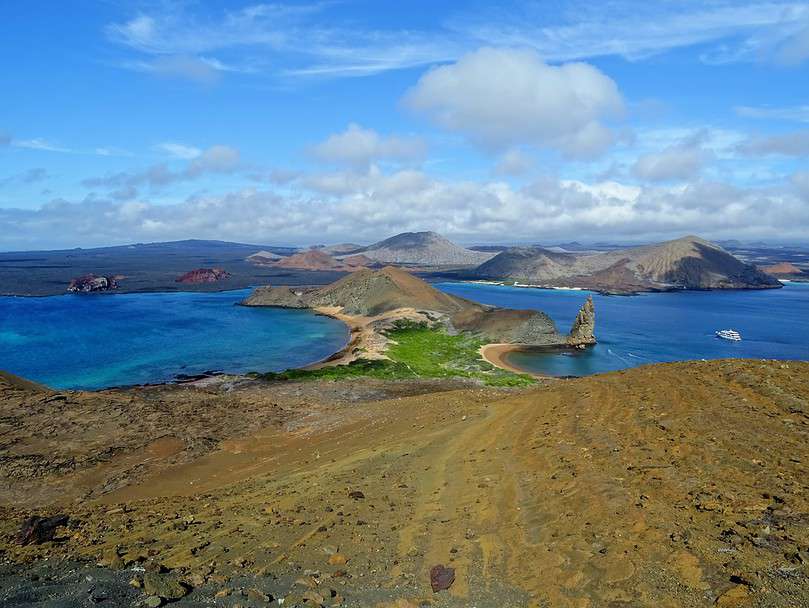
column 496, row 355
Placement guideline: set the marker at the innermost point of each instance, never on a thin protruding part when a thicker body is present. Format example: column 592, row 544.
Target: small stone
column 441, row 578
column 256, row 595
column 223, row 593
column 195, row 580
column 136, row 582
column 338, row 559
column 356, row 495
column 153, row 601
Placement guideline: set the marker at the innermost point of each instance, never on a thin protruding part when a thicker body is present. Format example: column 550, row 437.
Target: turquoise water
column 657, row 327
column 91, row 342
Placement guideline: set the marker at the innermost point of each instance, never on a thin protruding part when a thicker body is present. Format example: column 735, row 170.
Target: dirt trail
column 673, row 485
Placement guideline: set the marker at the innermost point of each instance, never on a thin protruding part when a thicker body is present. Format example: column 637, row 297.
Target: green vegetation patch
column 418, row 351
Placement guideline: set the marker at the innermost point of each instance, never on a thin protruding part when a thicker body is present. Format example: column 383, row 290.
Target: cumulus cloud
column 216, row 159
column 513, row 163
column 374, row 204
column 500, row 98
column 678, row 162
column 785, row 144
column 359, row 147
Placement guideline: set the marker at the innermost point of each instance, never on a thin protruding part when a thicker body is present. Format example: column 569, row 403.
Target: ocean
column 658, row 327
column 98, row 341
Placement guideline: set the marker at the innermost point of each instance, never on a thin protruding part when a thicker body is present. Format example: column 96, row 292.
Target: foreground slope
column 686, row 263
column 677, row 485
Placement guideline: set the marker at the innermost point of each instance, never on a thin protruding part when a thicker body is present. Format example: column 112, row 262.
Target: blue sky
column 294, row 123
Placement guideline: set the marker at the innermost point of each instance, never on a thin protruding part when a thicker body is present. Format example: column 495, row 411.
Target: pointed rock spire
column 583, row 331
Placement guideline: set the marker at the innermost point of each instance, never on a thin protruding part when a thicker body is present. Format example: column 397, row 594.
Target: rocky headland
column 372, row 301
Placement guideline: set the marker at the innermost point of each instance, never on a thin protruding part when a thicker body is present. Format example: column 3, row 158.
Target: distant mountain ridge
column 686, row 263
column 423, row 249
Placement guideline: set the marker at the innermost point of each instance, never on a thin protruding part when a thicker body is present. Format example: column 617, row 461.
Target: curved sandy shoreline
column 495, row 354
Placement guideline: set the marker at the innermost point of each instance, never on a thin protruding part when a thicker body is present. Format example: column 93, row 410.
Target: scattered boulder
column 203, row 275
column 163, row 586
column 37, row 530
column 441, row 578
column 356, row 495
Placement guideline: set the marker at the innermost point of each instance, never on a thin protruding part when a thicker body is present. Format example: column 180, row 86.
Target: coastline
column 494, row 354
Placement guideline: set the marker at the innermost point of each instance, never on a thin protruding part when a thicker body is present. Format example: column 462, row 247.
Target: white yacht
column 729, row 334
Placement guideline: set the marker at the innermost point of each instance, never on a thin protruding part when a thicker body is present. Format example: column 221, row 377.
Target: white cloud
column 177, row 150
column 359, row 147
column 801, row 182
column 213, row 160
column 216, row 159
column 507, row 97
column 316, row 39
column 785, row 144
column 794, row 50
column 39, row 143
column 794, row 113
column 678, row 162
column 514, row 162
column 371, row 205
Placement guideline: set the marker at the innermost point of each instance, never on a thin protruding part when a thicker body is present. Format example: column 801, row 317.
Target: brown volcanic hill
column 312, row 259
column 358, row 261
column 423, row 249
column 781, row 269
column 369, row 293
column 686, row 263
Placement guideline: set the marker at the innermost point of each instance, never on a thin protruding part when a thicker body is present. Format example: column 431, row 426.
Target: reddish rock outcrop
column 203, row 275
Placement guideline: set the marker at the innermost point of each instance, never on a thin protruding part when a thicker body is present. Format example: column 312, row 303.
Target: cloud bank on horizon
column 292, row 123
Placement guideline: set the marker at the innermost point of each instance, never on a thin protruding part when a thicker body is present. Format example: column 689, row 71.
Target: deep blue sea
column 649, row 328
column 96, row 341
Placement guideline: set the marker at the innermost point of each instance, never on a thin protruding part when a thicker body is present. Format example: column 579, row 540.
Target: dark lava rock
column 441, row 578
column 90, row 282
column 37, row 530
column 203, row 275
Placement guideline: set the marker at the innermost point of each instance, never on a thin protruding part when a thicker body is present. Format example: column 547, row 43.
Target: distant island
column 686, row 263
